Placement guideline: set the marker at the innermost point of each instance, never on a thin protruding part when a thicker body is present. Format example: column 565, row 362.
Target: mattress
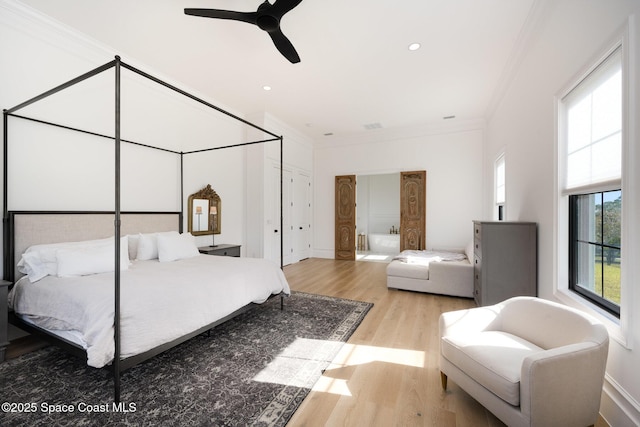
column 160, row 301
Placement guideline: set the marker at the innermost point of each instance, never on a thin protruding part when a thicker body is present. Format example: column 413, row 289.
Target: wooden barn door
column 413, row 205
column 345, row 229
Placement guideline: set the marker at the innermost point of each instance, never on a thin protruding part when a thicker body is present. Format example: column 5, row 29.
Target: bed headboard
column 26, row 229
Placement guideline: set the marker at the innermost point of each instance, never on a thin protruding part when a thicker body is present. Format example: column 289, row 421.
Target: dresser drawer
column 477, row 240
column 477, row 248
column 477, row 231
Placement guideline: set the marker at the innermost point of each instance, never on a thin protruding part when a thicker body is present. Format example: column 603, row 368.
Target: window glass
column 500, row 182
column 500, row 186
column 596, row 243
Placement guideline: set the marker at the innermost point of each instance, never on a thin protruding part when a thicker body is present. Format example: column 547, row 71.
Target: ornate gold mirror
column 204, row 212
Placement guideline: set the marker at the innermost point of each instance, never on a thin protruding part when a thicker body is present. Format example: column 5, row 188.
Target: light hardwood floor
column 387, row 374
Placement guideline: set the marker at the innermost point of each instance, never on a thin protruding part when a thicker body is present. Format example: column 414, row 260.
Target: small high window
column 500, row 188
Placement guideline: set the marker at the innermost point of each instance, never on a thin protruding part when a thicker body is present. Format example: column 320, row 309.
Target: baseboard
column 617, row 407
column 323, row 253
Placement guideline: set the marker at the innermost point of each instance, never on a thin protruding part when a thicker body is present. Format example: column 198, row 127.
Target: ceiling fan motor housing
column 268, row 23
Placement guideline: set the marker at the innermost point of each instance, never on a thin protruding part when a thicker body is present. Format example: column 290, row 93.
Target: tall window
column 592, row 117
column 500, row 189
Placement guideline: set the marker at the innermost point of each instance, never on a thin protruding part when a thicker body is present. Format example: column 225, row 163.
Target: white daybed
column 439, row 272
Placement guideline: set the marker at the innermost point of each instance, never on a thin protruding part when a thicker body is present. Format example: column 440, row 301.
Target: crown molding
column 538, row 11
column 403, row 133
column 34, row 23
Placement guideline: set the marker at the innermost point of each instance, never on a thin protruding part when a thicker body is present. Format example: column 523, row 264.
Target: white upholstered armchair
column 529, row 361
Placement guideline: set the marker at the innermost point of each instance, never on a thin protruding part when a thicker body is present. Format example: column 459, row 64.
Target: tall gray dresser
column 505, row 260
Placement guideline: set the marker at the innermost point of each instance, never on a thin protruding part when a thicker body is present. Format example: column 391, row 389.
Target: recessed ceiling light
column 266, row 87
column 414, row 46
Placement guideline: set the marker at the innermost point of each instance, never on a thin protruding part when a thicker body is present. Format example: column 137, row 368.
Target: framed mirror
column 204, row 212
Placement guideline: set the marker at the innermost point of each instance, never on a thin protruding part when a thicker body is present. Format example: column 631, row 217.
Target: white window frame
column 500, row 160
column 619, row 329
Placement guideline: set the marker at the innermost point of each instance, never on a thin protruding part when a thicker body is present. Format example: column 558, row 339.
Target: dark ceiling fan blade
column 280, row 7
column 284, row 46
column 249, row 17
column 267, row 18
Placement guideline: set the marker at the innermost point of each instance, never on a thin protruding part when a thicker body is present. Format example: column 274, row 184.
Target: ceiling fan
column 267, row 17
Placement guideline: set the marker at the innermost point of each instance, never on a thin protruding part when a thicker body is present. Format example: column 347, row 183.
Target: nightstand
column 4, row 318
column 222, row 250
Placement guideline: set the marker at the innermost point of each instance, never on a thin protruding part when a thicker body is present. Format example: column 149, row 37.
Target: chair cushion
column 492, row 358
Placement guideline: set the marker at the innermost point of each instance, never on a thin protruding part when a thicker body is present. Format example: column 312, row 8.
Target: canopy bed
column 133, row 307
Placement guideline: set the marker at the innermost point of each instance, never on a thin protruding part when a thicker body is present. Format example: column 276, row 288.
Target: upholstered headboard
column 31, row 228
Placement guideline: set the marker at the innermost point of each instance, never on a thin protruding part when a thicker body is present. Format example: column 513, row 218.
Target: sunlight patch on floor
column 354, row 354
column 332, row 385
column 370, row 256
column 299, row 364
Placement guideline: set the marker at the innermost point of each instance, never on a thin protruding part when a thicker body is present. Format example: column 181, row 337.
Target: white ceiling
column 356, row 69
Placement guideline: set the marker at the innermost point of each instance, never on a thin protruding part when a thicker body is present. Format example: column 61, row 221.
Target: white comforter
column 425, row 257
column 159, row 301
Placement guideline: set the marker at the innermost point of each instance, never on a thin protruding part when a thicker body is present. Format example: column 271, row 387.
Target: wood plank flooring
column 387, row 374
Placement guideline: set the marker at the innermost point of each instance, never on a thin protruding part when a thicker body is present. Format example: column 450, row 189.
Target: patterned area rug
column 253, row 370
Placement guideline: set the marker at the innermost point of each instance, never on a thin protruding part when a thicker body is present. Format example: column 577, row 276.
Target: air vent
column 372, row 126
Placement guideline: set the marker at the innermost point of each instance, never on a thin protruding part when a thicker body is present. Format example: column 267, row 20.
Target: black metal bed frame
column 119, row 364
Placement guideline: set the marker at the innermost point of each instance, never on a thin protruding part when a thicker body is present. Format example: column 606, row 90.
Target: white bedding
column 423, row 258
column 160, row 301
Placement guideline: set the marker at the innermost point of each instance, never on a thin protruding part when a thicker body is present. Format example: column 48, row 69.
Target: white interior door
column 287, row 228
column 302, row 216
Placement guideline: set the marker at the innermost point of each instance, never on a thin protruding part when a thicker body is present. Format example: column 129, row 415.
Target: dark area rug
column 253, row 370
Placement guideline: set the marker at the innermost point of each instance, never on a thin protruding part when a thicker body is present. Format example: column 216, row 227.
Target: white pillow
column 41, row 260
column 82, row 261
column 172, row 247
column 31, row 265
column 85, row 260
column 148, row 245
column 133, row 245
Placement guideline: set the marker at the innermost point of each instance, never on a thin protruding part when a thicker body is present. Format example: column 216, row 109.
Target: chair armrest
column 563, row 386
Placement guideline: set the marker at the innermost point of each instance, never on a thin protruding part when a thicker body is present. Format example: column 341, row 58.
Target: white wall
column 377, row 203
column 567, row 37
column 263, row 188
column 53, row 169
column 453, row 161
